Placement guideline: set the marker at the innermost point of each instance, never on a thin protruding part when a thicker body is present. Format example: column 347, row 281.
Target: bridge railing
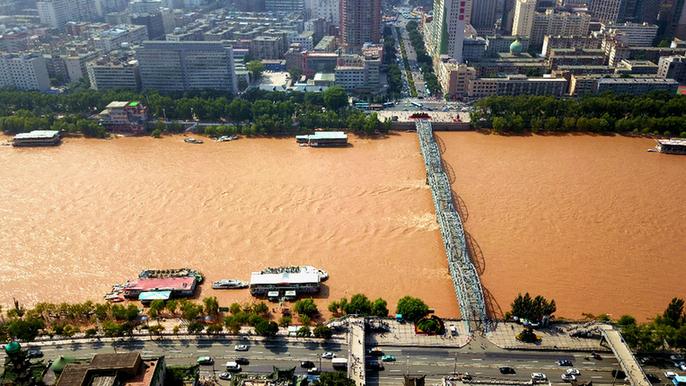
column 462, row 271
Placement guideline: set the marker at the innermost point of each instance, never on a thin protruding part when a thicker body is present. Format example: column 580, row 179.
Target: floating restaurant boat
column 323, row 275
column 229, row 284
column 164, row 273
column 37, row 138
column 671, row 146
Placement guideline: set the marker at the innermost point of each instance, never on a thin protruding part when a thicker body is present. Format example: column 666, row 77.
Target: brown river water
column 594, row 222
column 78, row 218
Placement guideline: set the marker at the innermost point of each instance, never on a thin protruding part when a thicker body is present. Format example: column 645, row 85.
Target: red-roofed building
column 179, row 286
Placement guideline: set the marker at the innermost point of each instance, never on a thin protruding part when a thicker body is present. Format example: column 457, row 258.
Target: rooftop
column 283, row 278
column 35, row 134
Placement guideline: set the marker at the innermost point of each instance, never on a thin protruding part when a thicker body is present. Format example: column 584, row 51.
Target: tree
column 232, row 324
column 303, row 332
column 380, row 308
column 256, row 68
column 157, row 133
column 285, row 321
column 674, row 314
column 171, row 306
column 534, row 309
column 195, row 327
column 132, row 312
column 266, row 328
column 156, row 306
column 359, row 305
column 412, row 309
column 111, row 328
column 306, row 307
column 335, row 378
column 335, row 98
column 322, row 331
column 190, row 311
column 211, row 306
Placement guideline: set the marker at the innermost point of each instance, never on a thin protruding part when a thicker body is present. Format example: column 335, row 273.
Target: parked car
column 205, row 360
column 307, row 364
column 538, row 377
column 388, row 358
column 328, row 355
column 225, row 376
column 568, row 377
column 573, row 371
column 34, row 353
column 241, row 347
column 564, row 362
column 507, row 370
column 242, row 361
column 670, row 374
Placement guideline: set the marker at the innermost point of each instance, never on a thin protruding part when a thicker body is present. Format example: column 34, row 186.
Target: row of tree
column 656, row 113
column 664, row 332
column 393, row 74
column 424, row 60
column 533, row 309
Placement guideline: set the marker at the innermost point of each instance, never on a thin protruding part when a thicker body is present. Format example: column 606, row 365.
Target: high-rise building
column 446, row 31
column 555, row 23
column 606, row 11
column 24, row 72
column 672, row 19
column 360, row 22
column 328, row 10
column 633, row 34
column 53, row 13
column 525, row 11
column 118, row 71
column 153, row 22
column 672, row 67
column 285, row 5
column 483, row 15
column 184, row 66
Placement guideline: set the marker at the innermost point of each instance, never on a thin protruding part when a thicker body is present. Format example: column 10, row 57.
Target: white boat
column 229, row 284
column 226, row 138
column 193, row 140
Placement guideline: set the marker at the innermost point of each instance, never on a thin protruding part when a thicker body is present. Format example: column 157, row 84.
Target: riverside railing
column 462, row 271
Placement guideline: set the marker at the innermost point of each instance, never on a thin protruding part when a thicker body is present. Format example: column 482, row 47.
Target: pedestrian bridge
column 630, row 366
column 462, row 271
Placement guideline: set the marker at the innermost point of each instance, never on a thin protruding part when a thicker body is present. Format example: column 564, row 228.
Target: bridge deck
column 626, row 358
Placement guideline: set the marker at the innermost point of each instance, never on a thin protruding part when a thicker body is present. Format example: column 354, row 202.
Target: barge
column 323, row 139
column 671, row 146
column 37, row 138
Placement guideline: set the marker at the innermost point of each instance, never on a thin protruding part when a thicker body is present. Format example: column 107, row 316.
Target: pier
column 462, row 271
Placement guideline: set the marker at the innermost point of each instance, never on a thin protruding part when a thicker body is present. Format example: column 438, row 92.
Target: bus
column 339, row 363
column 417, row 104
column 361, row 105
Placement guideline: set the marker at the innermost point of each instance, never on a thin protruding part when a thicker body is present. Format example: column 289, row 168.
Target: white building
column 305, row 39
column 24, row 72
column 53, row 13
column 328, row 10
column 114, row 73
column 113, row 38
column 525, row 11
column 633, row 34
column 446, row 31
column 558, row 24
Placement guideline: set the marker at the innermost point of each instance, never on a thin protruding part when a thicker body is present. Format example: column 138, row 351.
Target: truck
column 339, row 363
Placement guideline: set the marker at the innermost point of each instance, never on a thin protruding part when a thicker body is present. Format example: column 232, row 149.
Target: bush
column 303, row 331
column 285, row 321
column 322, row 331
column 306, row 307
column 266, row 328
column 157, row 133
column 528, row 336
column 431, row 326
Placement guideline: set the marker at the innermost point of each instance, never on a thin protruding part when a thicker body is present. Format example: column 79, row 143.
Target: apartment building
column 24, row 72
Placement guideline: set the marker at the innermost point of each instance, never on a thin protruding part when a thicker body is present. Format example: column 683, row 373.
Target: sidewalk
column 402, row 334
column 504, row 337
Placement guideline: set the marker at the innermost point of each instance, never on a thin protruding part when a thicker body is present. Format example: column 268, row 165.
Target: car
column 242, row 361
column 313, row 371
column 375, row 352
column 233, row 367
column 538, row 377
column 388, row 358
column 205, row 360
column 681, row 366
column 307, row 364
column 34, row 353
column 568, row 377
column 466, row 377
column 507, row 370
column 225, row 376
column 670, row 374
column 564, row 362
column 573, row 371
column 328, row 355
column 241, row 347
column 453, row 330
column 374, row 365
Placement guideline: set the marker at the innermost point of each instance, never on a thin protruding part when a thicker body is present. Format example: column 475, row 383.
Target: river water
column 77, row 218
column 594, row 222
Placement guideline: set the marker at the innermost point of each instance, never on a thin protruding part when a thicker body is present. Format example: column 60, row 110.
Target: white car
column 568, row 377
column 241, row 347
column 328, row 355
column 538, row 377
column 573, row 371
column 225, row 376
column 670, row 374
column 681, row 366
column 233, row 367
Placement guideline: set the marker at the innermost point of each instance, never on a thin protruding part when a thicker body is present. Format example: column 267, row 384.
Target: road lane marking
column 477, row 359
column 597, row 377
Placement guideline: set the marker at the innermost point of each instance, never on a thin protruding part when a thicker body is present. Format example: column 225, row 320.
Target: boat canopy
column 154, row 295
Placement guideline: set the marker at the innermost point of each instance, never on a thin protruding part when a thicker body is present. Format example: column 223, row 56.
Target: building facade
column 514, row 85
column 360, row 22
column 446, row 31
column 672, row 67
column 554, row 23
column 184, row 66
column 523, row 22
column 114, row 73
column 24, row 72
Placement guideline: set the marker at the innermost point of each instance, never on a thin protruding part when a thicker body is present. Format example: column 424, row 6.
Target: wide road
column 436, row 363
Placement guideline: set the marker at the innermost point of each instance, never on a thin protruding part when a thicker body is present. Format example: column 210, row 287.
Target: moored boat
column 229, row 284
column 323, row 275
column 193, row 140
column 179, row 272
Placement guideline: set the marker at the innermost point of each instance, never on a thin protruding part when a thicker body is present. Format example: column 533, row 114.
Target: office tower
column 53, row 13
column 24, row 72
column 446, row 34
column 328, row 10
column 483, row 14
column 523, row 22
column 185, row 66
column 360, row 22
column 285, row 5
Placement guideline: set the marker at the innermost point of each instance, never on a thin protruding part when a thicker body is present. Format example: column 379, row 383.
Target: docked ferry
column 671, row 146
column 37, row 138
column 323, row 275
column 229, row 284
column 323, row 139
